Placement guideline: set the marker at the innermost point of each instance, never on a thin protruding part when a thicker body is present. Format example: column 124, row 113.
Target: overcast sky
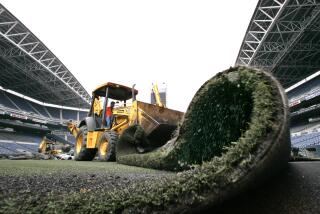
column 182, row 43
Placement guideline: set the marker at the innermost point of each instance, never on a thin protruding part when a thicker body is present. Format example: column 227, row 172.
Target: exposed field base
column 28, row 184
column 25, row 183
column 295, row 190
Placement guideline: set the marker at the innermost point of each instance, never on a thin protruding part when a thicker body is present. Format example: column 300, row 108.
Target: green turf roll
column 233, row 137
column 234, row 107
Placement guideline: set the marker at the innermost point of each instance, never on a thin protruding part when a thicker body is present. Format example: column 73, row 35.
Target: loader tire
column 107, row 146
column 81, row 153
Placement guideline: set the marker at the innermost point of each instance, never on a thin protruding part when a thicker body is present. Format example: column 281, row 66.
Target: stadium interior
column 24, row 123
column 283, row 38
column 39, row 95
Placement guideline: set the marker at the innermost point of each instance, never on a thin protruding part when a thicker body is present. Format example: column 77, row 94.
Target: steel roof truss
column 265, row 14
column 15, row 33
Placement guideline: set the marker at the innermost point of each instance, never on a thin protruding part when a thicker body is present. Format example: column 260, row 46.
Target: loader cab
column 104, row 95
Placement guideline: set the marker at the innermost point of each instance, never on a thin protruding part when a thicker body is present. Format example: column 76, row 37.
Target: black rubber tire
column 84, row 154
column 110, row 154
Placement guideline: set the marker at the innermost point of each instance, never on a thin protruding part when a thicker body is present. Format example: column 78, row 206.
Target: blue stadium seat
column 22, row 103
column 82, row 114
column 5, row 101
column 72, row 139
column 306, row 140
column 11, row 141
column 5, row 151
column 16, row 103
column 54, row 112
column 69, row 114
column 40, row 109
column 310, row 87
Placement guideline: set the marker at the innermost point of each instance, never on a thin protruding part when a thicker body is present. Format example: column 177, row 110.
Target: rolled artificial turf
column 233, row 137
column 222, row 113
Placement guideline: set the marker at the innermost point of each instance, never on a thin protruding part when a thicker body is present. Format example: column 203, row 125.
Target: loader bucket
column 155, row 126
column 157, row 122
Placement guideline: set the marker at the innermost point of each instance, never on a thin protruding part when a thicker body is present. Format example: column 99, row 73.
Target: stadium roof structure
column 28, row 67
column 283, row 37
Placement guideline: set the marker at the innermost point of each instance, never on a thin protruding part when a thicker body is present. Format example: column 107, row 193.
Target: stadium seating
column 308, row 109
column 17, row 107
column 62, row 138
column 310, row 88
column 82, row 114
column 71, row 139
column 305, row 140
column 27, row 107
column 21, row 103
column 303, row 108
column 69, row 114
column 54, row 112
column 305, row 127
column 12, row 142
column 5, row 151
column 40, row 109
column 4, row 100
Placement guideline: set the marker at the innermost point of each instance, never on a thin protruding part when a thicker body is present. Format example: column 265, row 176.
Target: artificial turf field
column 29, row 184
column 220, row 161
column 35, row 186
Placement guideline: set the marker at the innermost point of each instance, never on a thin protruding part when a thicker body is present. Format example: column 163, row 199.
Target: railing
column 313, row 92
column 303, row 110
column 32, row 116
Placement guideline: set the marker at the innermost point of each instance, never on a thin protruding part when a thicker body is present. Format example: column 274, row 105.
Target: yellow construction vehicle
column 50, row 147
column 156, row 95
column 94, row 137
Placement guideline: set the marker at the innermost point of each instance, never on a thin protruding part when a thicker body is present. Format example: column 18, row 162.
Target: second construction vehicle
column 95, row 138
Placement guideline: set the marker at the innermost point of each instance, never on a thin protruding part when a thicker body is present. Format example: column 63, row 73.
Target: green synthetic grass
column 43, row 167
column 35, row 186
column 236, row 133
column 217, row 117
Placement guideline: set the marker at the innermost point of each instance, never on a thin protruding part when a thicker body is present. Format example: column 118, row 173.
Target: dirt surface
column 24, row 181
column 296, row 190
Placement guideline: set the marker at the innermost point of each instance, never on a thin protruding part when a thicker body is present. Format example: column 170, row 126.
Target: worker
column 109, row 115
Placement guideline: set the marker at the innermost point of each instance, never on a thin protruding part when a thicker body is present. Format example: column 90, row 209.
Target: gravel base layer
column 32, row 180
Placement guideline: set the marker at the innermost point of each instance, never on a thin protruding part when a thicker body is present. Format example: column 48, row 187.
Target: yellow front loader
column 95, row 138
column 50, row 147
